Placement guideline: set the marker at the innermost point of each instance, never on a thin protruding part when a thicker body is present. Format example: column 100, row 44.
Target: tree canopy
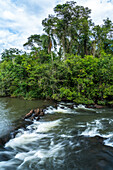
column 71, row 60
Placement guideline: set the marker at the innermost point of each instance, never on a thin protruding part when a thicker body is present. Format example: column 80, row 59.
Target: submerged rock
column 98, row 106
column 95, row 106
column 4, row 139
column 97, row 139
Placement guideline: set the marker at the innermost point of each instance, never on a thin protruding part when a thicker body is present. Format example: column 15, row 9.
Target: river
column 66, row 138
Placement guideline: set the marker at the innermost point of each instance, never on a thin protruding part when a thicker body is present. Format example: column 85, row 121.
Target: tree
column 33, row 40
column 70, row 26
column 102, row 37
column 9, row 54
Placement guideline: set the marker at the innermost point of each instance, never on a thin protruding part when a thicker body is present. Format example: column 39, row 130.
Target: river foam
column 32, row 134
column 60, row 109
column 98, row 128
column 70, row 108
column 57, row 142
column 29, row 145
column 92, row 129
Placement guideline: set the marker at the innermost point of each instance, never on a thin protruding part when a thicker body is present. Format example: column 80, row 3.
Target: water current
column 66, row 138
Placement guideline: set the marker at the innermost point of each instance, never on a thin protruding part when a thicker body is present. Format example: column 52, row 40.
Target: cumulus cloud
column 21, row 18
column 100, row 10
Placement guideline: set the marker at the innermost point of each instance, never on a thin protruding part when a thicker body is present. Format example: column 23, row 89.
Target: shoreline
column 88, row 105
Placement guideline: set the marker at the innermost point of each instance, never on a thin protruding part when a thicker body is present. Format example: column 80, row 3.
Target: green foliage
column 82, row 70
column 85, row 80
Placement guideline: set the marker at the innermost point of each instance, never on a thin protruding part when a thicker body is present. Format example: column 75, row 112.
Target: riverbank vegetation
column 72, row 60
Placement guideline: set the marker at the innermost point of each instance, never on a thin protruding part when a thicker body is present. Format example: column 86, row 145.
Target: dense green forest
column 71, row 60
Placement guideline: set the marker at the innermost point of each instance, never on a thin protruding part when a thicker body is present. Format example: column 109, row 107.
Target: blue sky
column 21, row 18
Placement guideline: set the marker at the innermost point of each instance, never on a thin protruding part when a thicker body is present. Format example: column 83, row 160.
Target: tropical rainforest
column 72, row 60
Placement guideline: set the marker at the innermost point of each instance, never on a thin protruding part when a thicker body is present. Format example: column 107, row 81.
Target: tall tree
column 102, row 37
column 70, row 26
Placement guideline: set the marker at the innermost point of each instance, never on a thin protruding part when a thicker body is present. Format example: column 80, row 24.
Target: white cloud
column 16, row 24
column 21, row 18
column 100, row 10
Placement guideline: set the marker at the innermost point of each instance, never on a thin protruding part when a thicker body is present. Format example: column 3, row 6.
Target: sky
column 21, row 18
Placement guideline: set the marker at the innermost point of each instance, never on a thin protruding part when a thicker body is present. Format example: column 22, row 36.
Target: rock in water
column 37, row 112
column 29, row 114
column 98, row 106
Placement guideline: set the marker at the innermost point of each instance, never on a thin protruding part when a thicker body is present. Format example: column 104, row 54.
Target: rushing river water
column 65, row 138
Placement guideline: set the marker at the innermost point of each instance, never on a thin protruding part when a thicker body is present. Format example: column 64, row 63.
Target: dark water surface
column 65, row 138
column 13, row 110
